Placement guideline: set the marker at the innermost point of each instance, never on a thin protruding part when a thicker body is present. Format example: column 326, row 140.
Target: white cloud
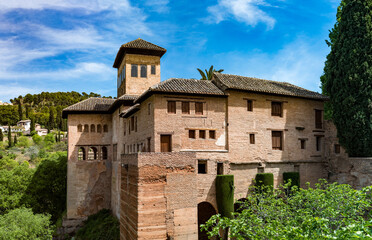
column 246, row 11
column 10, row 91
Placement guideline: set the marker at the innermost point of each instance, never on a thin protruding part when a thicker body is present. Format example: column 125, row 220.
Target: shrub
column 37, row 139
column 225, row 194
column 21, row 223
column 23, row 142
column 264, row 180
column 294, row 177
column 100, row 226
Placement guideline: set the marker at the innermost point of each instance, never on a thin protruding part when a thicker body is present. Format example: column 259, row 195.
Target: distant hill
column 45, row 108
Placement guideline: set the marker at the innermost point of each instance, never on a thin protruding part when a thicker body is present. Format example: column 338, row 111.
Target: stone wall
column 159, row 196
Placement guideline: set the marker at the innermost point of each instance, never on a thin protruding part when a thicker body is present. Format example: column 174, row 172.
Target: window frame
column 274, row 147
column 143, row 71
column 249, row 105
column 171, row 105
column 202, row 136
column 199, row 108
column 153, row 69
column 252, row 138
column 134, row 73
column 273, row 109
column 185, row 107
column 192, row 133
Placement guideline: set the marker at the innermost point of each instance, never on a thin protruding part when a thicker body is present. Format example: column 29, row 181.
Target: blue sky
column 70, row 45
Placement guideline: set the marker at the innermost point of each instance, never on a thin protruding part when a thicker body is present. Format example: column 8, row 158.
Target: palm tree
column 208, row 74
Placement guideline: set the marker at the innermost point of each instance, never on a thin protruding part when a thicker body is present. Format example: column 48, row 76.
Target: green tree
column 23, row 141
column 20, row 111
column 37, row 139
column 328, row 211
column 208, row 75
column 51, row 124
column 10, row 144
column 8, row 115
column 348, row 78
column 15, row 139
column 49, row 140
column 21, row 223
column 32, row 126
column 1, row 135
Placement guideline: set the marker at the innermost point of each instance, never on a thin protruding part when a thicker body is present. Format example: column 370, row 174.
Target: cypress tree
column 15, row 139
column 1, row 135
column 51, row 119
column 348, row 75
column 10, row 144
column 32, row 127
column 20, row 112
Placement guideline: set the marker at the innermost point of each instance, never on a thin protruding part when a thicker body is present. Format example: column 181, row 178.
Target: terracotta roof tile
column 92, row 104
column 228, row 81
column 128, row 97
column 142, row 44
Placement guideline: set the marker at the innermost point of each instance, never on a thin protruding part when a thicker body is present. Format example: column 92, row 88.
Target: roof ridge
column 256, row 78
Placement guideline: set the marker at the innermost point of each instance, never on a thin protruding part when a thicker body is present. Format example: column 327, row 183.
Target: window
column 277, row 140
column 105, row 128
column 202, row 166
column 81, row 154
column 132, row 123
column 99, row 128
column 104, row 152
column 172, row 107
column 86, row 128
column 153, row 70
column 276, row 109
column 199, row 108
column 92, row 153
column 134, row 70
column 79, row 128
column 149, row 144
column 249, row 105
column 166, row 143
column 201, row 133
column 92, row 128
column 191, row 133
column 185, row 108
column 149, row 109
column 219, row 168
column 303, row 143
column 143, row 71
column 318, row 119
column 318, row 143
column 114, row 152
column 212, row 134
column 337, row 148
column 125, row 128
column 252, row 139
column 135, row 124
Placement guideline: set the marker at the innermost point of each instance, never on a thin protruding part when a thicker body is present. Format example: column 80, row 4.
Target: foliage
column 14, row 180
column 37, row 139
column 1, row 135
column 225, row 194
column 293, row 177
column 208, row 75
column 10, row 144
column 8, row 115
column 22, row 142
column 49, row 140
column 348, row 77
column 328, row 211
column 100, row 226
column 15, row 140
column 22, row 224
column 46, row 192
column 264, row 180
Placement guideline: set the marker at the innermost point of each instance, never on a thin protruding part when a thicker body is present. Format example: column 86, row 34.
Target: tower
column 138, row 64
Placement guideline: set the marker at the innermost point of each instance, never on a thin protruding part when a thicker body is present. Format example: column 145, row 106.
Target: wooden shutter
column 276, row 109
column 171, row 107
column 277, row 140
column 199, row 108
column 185, row 107
column 165, row 143
column 318, row 119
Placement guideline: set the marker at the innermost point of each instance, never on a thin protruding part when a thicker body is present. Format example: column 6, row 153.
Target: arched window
column 105, row 128
column 86, row 128
column 81, row 154
column 79, row 128
column 143, row 71
column 92, row 154
column 92, row 128
column 104, row 153
column 99, row 128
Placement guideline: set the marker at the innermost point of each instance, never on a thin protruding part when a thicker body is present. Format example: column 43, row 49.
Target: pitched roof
column 128, row 97
column 184, row 86
column 127, row 113
column 90, row 105
column 138, row 46
column 228, row 81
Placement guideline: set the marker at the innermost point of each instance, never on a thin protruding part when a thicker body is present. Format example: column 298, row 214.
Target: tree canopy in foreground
column 328, row 211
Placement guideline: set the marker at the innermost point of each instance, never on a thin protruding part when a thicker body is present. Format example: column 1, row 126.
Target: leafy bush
column 264, row 181
column 100, row 226
column 328, row 211
column 46, row 192
column 21, row 223
column 23, row 142
column 225, row 194
column 49, row 140
column 293, row 177
column 37, row 139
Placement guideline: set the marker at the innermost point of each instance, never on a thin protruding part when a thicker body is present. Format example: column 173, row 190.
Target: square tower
column 138, row 64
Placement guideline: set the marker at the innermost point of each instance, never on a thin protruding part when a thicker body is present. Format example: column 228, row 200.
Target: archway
column 92, row 153
column 205, row 212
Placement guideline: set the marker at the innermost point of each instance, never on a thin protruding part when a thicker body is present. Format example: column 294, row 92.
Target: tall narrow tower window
column 153, row 70
column 134, row 70
column 143, row 71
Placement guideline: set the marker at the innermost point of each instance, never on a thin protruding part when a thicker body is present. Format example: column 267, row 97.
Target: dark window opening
column 80, row 128
column 212, row 134
column 99, row 128
column 252, row 139
column 199, row 108
column 135, row 124
column 132, row 123
column 277, row 140
column 185, row 108
column 303, row 143
column 249, row 105
column 104, row 152
column 202, row 167
column 172, row 107
column 318, row 143
column 81, row 154
column 105, row 128
column 153, row 70
column 191, row 133
column 276, row 109
column 149, row 144
column 318, row 119
column 143, row 71
column 201, row 133
column 92, row 153
column 134, row 70
column 219, row 168
column 92, row 128
column 337, row 148
column 86, row 128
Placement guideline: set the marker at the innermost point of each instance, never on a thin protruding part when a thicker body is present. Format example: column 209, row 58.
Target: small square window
column 249, row 105
column 252, row 139
column 212, row 134
column 337, row 148
column 191, row 133
column 201, row 133
column 202, row 167
column 303, row 143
